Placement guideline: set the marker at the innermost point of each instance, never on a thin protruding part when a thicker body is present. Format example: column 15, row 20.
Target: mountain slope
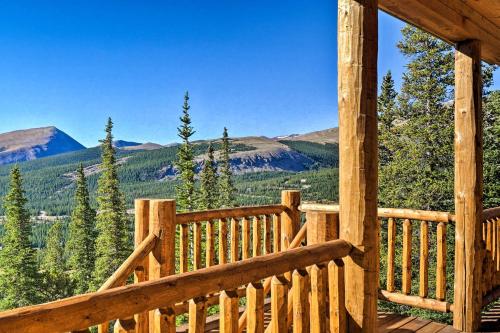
column 330, row 135
column 30, row 144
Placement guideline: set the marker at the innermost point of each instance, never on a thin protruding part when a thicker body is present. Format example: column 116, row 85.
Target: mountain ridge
column 29, row 144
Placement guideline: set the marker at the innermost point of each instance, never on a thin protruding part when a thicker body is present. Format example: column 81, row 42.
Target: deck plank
column 431, row 328
column 394, row 323
column 413, row 326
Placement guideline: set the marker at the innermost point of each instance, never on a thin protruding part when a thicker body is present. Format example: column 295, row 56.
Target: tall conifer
column 387, row 113
column 209, row 187
column 112, row 244
column 19, row 276
column 185, row 164
column 57, row 281
column 81, row 241
column 227, row 189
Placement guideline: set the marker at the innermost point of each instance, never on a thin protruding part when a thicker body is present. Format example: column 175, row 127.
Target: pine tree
column 57, row 281
column 387, row 111
column 418, row 170
column 209, row 190
column 185, row 191
column 81, row 241
column 492, row 150
column 112, row 243
column 227, row 189
column 19, row 276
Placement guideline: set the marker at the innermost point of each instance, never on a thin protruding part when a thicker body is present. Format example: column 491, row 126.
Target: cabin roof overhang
column 453, row 21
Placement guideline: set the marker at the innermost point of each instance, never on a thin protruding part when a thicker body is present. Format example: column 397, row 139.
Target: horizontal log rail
column 491, row 213
column 397, row 213
column 135, row 259
column 238, row 212
column 415, row 301
column 94, row 308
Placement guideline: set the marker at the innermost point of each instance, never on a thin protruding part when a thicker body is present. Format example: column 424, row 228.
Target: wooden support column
column 468, row 186
column 162, row 258
column 358, row 172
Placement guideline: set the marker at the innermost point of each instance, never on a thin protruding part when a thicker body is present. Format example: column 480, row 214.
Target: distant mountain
column 34, row 143
column 330, row 135
column 123, row 144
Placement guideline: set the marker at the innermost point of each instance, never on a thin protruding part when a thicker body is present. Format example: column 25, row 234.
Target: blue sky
column 260, row 68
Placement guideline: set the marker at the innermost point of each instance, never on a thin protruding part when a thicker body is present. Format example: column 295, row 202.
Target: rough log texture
column 468, row 186
column 162, row 257
column 357, row 94
column 141, row 232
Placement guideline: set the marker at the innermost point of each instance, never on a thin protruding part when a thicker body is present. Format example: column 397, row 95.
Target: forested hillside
column 49, row 182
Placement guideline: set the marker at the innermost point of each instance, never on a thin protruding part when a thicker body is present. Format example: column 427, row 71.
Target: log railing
column 77, row 313
column 207, row 238
column 194, row 240
column 491, row 258
column 407, row 222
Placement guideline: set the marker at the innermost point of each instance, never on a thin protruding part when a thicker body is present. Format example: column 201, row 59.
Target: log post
column 290, row 218
column 162, row 258
column 141, row 273
column 468, row 186
column 358, row 152
column 322, row 227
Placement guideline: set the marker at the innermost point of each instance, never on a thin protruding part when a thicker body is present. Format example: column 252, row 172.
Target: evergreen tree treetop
column 185, row 191
column 112, row 244
column 80, row 247
column 19, row 278
column 227, row 189
column 209, row 191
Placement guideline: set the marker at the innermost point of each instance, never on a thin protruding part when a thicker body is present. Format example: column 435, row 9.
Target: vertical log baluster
column 257, row 236
column 300, row 294
column 406, row 285
column 267, row 234
column 210, row 248
column 197, row 246
column 222, row 241
column 197, row 315
column 228, row 316
column 318, row 298
column 391, row 251
column 184, row 248
column 279, row 304
column 441, row 262
column 235, row 240
column 255, row 308
column 141, row 231
column 497, row 253
column 245, row 238
column 424, row 259
column 127, row 325
column 276, row 233
column 336, row 292
column 103, row 328
column 489, row 235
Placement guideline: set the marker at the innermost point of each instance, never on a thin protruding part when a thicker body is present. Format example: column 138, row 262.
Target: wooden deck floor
column 387, row 322
column 395, row 323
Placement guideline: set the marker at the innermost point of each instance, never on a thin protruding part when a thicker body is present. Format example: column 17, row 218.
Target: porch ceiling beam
column 452, row 21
